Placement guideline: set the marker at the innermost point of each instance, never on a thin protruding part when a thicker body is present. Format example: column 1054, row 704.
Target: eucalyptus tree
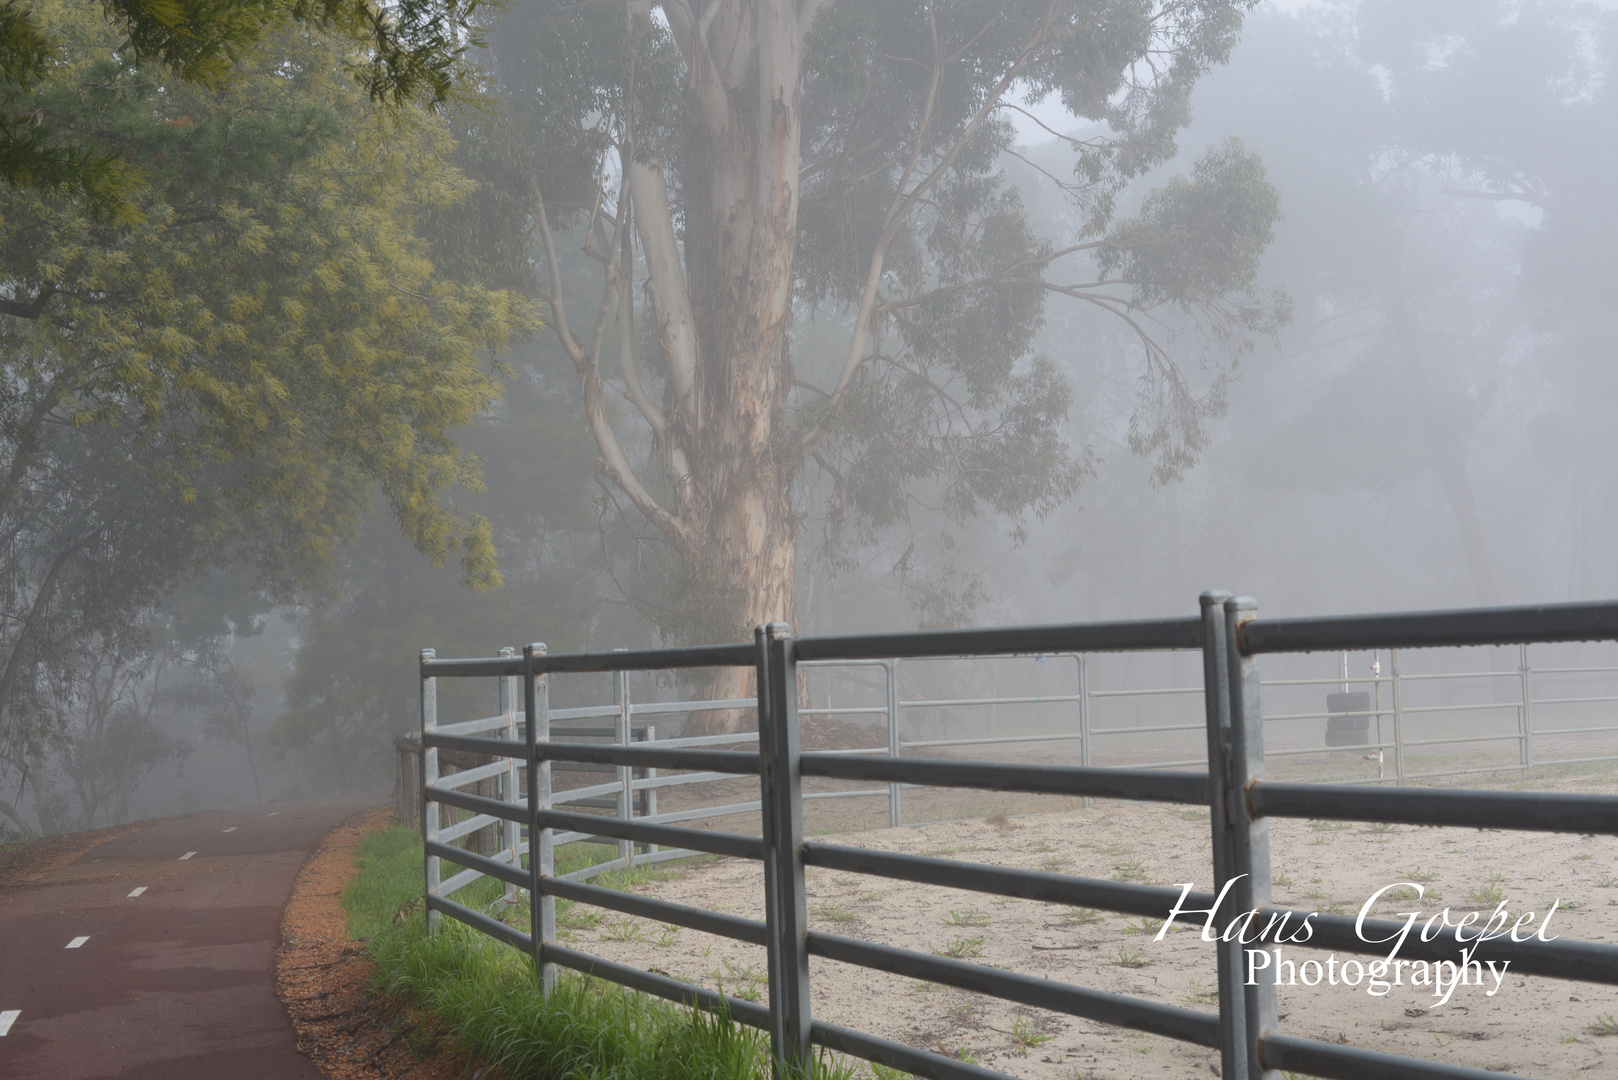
column 738, row 169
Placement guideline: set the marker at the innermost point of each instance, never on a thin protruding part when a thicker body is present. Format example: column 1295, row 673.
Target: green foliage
column 269, row 308
column 485, row 993
column 352, row 687
column 1195, row 240
column 229, row 369
column 410, row 50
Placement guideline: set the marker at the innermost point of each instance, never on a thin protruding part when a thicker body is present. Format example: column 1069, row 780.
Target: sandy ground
column 1534, row 1026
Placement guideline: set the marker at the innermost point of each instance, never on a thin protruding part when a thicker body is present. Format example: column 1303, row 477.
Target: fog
column 1431, row 429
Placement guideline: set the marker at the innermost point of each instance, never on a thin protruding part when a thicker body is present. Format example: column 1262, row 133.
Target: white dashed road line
column 76, row 942
column 187, row 855
column 272, row 813
column 138, row 890
column 8, row 1018
column 231, row 829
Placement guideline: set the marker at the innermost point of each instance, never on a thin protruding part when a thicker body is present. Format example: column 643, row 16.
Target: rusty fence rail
column 1240, row 799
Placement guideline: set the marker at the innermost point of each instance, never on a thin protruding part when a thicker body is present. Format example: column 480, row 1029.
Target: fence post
column 626, row 774
column 1250, row 835
column 1216, row 697
column 541, row 857
column 786, row 910
column 429, row 777
column 895, row 811
column 1526, row 717
column 510, row 831
column 1398, row 722
column 651, row 792
column 1084, row 714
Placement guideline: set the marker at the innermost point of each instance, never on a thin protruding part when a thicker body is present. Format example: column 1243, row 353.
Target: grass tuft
column 962, row 947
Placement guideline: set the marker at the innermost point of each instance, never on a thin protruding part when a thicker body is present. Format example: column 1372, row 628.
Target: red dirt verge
column 324, row 978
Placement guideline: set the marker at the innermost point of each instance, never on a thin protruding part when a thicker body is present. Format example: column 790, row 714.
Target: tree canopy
column 231, row 370
column 406, row 49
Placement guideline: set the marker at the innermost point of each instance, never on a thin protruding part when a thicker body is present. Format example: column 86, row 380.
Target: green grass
column 1125, row 958
column 484, row 993
column 969, row 917
column 962, row 947
column 834, row 913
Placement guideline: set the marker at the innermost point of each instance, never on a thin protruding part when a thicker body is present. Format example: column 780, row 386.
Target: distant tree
column 354, row 685
column 232, row 370
column 1399, row 132
column 222, row 695
column 745, row 176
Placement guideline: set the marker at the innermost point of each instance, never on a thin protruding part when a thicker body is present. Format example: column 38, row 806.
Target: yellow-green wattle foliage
column 263, row 317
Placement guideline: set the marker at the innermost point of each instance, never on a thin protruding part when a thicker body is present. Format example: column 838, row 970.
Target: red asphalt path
column 176, row 983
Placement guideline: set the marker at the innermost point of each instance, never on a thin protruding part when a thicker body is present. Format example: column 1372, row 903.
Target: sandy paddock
column 1534, row 1026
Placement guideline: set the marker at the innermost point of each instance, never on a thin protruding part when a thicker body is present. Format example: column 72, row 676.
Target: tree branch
column 905, row 201
column 11, row 812
column 633, row 390
column 666, row 285
column 42, row 599
column 613, row 463
column 25, row 440
column 690, row 37
column 1002, row 278
column 31, row 310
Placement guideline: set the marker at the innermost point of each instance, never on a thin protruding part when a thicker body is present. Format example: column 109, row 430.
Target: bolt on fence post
column 895, row 812
column 429, row 777
column 1526, row 717
column 626, row 774
column 541, row 856
column 786, row 910
column 1251, row 835
column 1084, row 716
column 1216, row 698
column 510, row 831
column 1398, row 721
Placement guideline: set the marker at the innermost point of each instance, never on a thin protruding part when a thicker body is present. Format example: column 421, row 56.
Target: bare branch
column 1003, row 278
column 666, row 285
column 613, row 463
column 558, row 308
column 633, row 389
column 691, row 39
column 1070, row 140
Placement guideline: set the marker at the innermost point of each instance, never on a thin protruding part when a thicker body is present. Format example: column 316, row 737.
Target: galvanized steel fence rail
column 634, row 793
column 1240, row 800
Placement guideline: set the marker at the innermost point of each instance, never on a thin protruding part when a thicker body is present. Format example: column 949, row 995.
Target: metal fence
column 1398, row 736
column 1234, row 788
